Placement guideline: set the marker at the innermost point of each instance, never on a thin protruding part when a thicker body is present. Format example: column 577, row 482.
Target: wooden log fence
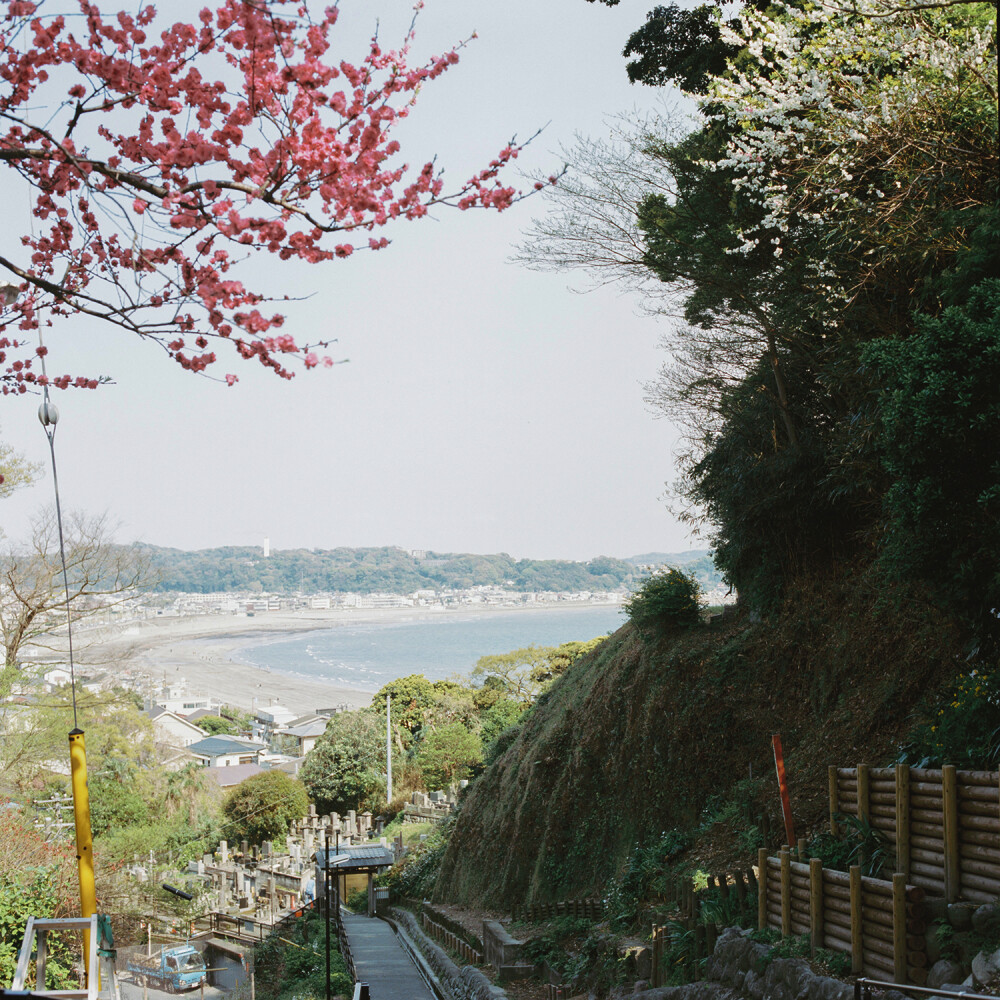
column 944, row 825
column 879, row 923
column 588, row 909
column 450, row 940
column 736, row 888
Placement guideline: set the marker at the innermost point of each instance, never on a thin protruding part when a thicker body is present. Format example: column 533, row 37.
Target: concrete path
column 380, row 961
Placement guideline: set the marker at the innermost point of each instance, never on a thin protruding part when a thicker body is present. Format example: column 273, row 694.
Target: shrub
column 665, row 601
column 357, row 901
column 292, row 966
column 416, row 874
column 448, row 755
column 965, row 729
column 262, row 807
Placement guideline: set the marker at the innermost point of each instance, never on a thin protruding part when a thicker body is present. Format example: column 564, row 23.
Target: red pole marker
column 786, row 805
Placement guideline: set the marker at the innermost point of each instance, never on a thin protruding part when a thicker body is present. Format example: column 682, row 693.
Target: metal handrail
column 861, row 990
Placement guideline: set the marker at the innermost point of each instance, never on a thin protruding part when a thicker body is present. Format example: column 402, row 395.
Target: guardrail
column 862, row 986
column 450, row 940
column 345, row 949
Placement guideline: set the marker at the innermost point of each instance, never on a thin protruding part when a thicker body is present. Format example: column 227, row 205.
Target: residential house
column 227, row 751
column 305, row 731
column 174, row 730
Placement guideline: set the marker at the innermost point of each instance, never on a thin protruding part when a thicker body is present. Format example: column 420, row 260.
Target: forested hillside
column 654, row 733
column 393, row 570
column 821, row 244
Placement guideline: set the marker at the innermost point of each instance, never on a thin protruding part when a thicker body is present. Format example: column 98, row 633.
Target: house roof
column 217, row 746
column 159, row 712
column 316, row 728
column 229, row 776
column 200, row 713
column 310, row 717
column 361, row 857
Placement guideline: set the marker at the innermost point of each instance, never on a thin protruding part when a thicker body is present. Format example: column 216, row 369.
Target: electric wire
column 49, row 416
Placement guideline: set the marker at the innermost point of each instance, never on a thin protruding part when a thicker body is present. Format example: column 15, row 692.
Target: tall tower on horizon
column 267, row 547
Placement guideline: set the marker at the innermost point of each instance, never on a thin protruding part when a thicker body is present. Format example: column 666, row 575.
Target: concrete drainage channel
column 444, row 978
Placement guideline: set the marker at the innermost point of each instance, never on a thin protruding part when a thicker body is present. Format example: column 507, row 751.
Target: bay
column 365, row 656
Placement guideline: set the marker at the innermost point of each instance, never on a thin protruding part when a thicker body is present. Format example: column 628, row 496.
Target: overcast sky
column 485, row 408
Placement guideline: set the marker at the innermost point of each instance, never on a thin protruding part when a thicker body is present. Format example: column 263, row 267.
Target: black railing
column 863, row 988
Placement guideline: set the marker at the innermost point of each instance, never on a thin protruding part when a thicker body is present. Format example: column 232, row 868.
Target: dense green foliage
column 116, row 803
column 264, row 805
column 964, row 729
column 663, row 602
column 834, row 282
column 346, row 768
column 416, row 875
column 522, row 675
column 218, row 725
column 940, row 443
column 32, row 894
column 293, row 964
column 388, row 569
column 449, row 754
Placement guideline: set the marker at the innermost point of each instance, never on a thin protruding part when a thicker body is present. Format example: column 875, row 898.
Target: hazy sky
column 485, row 408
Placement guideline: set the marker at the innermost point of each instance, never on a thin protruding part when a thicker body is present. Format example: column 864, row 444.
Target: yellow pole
column 84, row 838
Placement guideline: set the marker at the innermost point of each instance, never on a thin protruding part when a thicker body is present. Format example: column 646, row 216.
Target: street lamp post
column 328, row 863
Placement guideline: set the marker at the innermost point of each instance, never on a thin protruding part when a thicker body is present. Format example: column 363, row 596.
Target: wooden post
column 856, row 947
column 801, row 851
column 834, row 799
column 903, row 820
column 899, row 926
column 949, row 806
column 762, row 888
column 864, row 799
column 741, row 891
column 816, row 904
column 655, row 962
column 786, row 893
column 699, row 950
column 253, row 994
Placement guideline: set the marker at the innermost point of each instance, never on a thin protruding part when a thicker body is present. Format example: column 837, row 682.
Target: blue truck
column 173, row 969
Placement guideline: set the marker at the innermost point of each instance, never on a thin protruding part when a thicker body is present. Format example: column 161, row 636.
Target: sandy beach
column 203, row 650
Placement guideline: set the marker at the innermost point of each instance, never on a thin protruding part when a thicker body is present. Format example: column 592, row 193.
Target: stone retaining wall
column 738, row 970
column 467, row 983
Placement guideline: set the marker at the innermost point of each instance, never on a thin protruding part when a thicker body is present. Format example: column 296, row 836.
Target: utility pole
column 326, row 906
column 388, row 749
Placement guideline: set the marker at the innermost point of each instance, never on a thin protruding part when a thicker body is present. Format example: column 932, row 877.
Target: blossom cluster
column 831, row 114
column 160, row 155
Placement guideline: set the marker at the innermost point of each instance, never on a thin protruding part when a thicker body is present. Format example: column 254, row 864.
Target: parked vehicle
column 174, row 969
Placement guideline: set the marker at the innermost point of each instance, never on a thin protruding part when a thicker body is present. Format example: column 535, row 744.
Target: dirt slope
column 634, row 738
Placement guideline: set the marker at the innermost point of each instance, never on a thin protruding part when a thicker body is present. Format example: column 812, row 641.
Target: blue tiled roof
column 216, row 746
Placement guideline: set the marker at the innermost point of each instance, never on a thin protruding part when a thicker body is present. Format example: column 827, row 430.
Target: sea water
column 363, row 657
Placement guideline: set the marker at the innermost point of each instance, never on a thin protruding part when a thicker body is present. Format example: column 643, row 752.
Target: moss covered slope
column 635, row 737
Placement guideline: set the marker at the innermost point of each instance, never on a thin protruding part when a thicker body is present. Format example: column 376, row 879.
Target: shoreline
column 202, row 649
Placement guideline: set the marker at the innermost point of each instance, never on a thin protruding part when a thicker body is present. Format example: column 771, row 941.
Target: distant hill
column 392, row 570
column 698, row 562
column 669, row 558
